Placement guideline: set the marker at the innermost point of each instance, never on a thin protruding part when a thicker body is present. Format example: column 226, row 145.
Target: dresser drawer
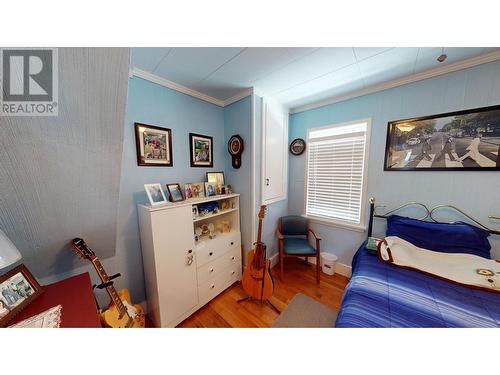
column 213, row 269
column 212, row 287
column 209, row 250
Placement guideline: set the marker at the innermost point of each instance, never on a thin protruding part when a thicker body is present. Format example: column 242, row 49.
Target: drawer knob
column 233, row 272
column 232, row 243
column 232, row 258
column 190, row 251
column 212, row 286
column 211, row 270
column 210, row 253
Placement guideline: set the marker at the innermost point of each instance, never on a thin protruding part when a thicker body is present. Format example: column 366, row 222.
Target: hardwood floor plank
column 224, row 310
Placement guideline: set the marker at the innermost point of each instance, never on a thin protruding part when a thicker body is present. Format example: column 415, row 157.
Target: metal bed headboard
column 428, row 214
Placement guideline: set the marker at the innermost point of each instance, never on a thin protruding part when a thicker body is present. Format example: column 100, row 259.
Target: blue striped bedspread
column 382, row 295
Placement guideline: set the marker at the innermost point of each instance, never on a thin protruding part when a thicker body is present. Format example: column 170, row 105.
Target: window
column 336, row 173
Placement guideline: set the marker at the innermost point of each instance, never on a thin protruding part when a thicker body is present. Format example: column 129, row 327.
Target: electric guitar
column 257, row 280
column 120, row 313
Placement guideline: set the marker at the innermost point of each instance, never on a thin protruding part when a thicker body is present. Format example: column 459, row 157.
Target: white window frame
column 361, row 227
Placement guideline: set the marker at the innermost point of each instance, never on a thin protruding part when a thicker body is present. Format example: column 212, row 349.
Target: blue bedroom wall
column 475, row 192
column 238, row 120
column 153, row 104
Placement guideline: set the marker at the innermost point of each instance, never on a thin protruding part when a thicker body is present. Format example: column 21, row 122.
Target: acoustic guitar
column 257, row 280
column 120, row 313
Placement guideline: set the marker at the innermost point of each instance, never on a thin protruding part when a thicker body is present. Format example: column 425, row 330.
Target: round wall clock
column 235, row 147
column 298, row 146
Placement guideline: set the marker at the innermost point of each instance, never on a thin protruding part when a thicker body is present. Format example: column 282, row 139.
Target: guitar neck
column 110, row 289
column 259, row 232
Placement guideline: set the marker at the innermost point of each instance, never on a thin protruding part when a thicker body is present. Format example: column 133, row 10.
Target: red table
column 76, row 297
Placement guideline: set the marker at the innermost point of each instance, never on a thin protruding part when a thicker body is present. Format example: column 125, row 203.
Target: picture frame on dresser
column 175, row 192
column 188, row 191
column 210, row 189
column 217, row 178
column 155, row 194
column 198, row 189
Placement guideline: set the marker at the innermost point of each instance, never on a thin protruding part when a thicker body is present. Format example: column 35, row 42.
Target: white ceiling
column 294, row 76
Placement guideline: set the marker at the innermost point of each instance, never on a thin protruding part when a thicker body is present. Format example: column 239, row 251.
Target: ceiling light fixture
column 443, row 56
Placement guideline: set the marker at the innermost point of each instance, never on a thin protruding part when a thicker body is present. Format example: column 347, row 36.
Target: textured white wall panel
column 60, row 176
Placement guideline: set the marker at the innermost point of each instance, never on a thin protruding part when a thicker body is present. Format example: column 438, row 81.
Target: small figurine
column 226, row 226
column 211, row 229
column 197, row 234
column 224, row 205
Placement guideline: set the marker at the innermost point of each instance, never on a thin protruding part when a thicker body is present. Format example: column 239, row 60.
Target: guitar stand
column 261, row 301
column 262, row 289
column 104, row 286
column 108, row 284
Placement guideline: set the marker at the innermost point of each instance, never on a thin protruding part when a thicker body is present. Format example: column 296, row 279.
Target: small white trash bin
column 328, row 263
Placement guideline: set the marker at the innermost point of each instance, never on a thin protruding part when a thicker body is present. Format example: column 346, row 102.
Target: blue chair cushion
column 297, row 246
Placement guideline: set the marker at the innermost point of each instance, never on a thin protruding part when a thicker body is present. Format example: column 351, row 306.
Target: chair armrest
column 280, row 236
column 316, row 235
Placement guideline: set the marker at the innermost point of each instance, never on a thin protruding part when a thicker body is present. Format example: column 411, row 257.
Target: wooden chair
column 293, row 235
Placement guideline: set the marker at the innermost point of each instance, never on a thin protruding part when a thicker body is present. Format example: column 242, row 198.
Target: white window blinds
column 336, row 172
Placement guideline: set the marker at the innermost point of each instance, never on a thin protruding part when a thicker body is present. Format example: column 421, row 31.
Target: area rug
column 305, row 312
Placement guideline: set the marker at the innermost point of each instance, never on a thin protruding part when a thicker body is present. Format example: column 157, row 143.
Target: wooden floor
column 224, row 311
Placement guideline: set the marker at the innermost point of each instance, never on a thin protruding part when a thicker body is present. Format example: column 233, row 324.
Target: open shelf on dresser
column 209, row 216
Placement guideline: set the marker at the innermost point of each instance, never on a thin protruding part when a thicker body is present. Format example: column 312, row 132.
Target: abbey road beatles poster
column 464, row 140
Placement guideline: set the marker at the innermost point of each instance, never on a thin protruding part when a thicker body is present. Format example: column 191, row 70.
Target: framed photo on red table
column 18, row 288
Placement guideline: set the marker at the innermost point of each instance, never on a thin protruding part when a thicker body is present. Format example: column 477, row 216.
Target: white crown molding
column 239, row 96
column 434, row 72
column 186, row 90
column 175, row 86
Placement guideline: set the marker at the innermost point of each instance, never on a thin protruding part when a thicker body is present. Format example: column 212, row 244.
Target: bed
column 383, row 295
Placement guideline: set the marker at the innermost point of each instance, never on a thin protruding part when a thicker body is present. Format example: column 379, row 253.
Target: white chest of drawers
column 182, row 275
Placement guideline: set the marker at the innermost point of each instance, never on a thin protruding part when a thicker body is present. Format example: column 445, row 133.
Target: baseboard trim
column 343, row 269
column 340, row 268
column 274, row 260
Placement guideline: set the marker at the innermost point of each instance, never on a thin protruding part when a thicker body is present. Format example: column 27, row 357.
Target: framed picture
column 18, row 288
column 155, row 194
column 188, row 191
column 216, row 178
column 457, row 141
column 198, row 189
column 201, row 148
column 175, row 192
column 195, row 212
column 210, row 189
column 154, row 146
